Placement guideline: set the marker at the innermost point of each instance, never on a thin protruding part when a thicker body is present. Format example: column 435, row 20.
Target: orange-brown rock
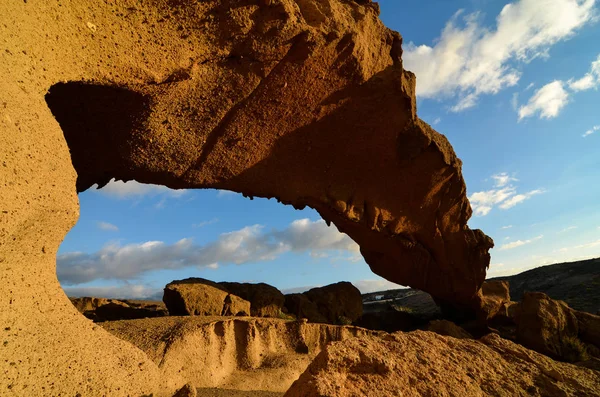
column 426, row 364
column 448, row 328
column 495, row 299
column 101, row 309
column 589, row 327
column 265, row 300
column 242, row 354
column 306, row 101
column 544, row 325
column 200, row 297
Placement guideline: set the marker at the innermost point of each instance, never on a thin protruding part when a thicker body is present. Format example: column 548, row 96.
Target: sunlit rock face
column 305, row 101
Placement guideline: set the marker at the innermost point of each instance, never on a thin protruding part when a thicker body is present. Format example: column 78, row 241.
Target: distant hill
column 577, row 283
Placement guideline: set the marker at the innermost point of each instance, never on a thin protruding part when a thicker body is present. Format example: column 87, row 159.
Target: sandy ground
column 215, row 392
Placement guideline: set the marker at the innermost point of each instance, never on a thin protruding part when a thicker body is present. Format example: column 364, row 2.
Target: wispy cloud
column 506, row 227
column 120, row 291
column 226, row 193
column 436, row 121
column 470, row 60
column 518, row 243
column 548, row 101
column 205, row 223
column 133, row 189
column 247, row 245
column 504, row 195
column 591, row 131
column 568, row 229
column 107, row 227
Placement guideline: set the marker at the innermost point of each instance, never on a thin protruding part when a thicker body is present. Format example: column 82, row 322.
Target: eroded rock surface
column 305, row 101
column 423, row 364
column 200, row 297
column 265, row 300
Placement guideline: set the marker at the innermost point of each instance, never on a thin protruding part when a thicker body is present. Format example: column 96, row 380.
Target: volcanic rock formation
column 425, row 364
column 305, row 101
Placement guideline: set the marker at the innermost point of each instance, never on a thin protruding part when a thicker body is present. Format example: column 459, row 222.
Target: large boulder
column 265, row 300
column 301, row 307
column 304, row 101
column 546, row 326
column 201, row 297
column 426, row 364
column 339, row 303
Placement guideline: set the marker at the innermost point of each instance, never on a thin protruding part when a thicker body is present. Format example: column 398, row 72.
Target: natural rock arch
column 305, row 101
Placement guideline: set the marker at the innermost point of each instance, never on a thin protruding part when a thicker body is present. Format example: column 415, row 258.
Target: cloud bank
column 504, row 195
column 470, row 60
column 247, row 245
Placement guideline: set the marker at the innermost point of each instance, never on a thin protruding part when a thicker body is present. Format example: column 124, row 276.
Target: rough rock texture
column 495, row 299
column 265, row 300
column 293, row 100
column 237, row 354
column 448, row 328
column 339, row 303
column 544, row 324
column 101, row 309
column 426, row 364
column 589, row 327
column 200, row 297
column 300, row 306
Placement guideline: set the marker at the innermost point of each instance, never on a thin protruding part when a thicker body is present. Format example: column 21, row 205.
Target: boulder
column 300, row 306
column 448, row 328
column 339, row 303
column 265, row 300
column 495, row 299
column 589, row 327
column 426, row 364
column 200, row 297
column 546, row 325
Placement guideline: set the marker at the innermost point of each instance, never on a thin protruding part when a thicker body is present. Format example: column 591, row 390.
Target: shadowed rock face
column 314, row 112
column 305, row 101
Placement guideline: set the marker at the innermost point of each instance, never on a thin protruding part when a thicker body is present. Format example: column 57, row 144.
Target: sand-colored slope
column 244, row 353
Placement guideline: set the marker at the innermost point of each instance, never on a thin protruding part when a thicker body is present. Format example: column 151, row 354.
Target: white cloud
column 436, row 121
column 514, row 101
column 589, row 80
column 247, row 245
column 374, row 285
column 547, row 102
column 506, row 227
column 591, row 131
column 205, row 223
column 568, row 229
column 108, row 227
column 519, row 198
column 502, row 179
column 504, row 195
column 530, row 86
column 519, row 243
column 133, row 189
column 124, row 291
column 226, row 193
column 469, row 60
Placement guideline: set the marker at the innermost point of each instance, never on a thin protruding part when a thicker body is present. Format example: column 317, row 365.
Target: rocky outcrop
column 545, row 324
column 589, row 328
column 245, row 354
column 448, row 328
column 304, row 101
column 339, row 303
column 200, row 297
column 495, row 299
column 101, row 309
column 423, row 364
column 265, row 300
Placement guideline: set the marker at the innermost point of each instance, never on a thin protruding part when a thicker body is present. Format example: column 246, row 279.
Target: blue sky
column 514, row 87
